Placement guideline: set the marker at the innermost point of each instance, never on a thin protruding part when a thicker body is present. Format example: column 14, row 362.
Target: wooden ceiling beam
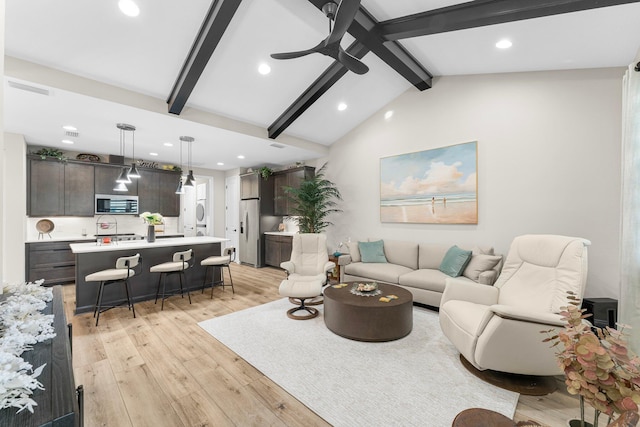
column 211, row 31
column 481, row 13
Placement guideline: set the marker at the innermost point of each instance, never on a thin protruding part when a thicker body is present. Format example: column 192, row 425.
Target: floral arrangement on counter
column 152, row 218
column 598, row 366
column 22, row 325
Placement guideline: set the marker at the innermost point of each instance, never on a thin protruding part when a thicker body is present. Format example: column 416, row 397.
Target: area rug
column 415, row 381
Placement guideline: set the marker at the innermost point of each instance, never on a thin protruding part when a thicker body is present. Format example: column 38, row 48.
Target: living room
column 549, row 162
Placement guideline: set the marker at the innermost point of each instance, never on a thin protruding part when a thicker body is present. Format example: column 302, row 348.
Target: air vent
column 274, row 145
column 28, row 88
column 72, row 134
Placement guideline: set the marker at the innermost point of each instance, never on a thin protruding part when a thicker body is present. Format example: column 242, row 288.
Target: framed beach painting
column 437, row 186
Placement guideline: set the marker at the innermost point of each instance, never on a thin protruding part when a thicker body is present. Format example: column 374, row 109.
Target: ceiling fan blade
column 297, row 54
column 351, row 62
column 344, row 17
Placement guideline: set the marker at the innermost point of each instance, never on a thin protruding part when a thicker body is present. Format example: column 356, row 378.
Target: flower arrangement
column 21, row 326
column 152, row 218
column 598, row 366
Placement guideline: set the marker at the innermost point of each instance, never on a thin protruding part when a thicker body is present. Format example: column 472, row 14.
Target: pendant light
column 133, row 171
column 180, row 189
column 190, row 182
column 123, row 178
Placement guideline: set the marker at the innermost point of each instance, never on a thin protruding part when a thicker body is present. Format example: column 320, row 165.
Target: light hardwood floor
column 162, row 369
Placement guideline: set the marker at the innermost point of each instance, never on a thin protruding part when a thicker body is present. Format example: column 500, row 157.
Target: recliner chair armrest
column 457, row 289
column 330, row 265
column 518, row 313
column 289, row 266
column 344, row 259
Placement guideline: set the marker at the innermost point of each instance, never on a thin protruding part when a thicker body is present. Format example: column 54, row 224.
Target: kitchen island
column 91, row 257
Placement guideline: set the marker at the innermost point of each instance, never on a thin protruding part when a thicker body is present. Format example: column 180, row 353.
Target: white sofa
column 415, row 267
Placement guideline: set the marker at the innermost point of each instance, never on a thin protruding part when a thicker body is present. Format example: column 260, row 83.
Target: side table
column 334, row 275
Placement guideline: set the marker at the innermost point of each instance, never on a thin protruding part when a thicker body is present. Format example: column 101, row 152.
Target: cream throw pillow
column 480, row 263
column 354, row 251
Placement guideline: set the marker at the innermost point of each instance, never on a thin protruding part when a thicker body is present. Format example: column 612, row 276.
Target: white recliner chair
column 306, row 272
column 499, row 327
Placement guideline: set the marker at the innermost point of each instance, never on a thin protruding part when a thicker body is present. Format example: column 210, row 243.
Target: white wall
column 548, row 161
column 15, row 207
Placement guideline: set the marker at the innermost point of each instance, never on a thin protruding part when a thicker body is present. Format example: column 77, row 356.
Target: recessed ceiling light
column 168, row 144
column 220, row 164
column 241, row 156
column 67, row 141
column 388, row 114
column 69, row 127
column 129, row 8
column 504, row 44
column 153, row 154
column 264, row 69
column 342, row 106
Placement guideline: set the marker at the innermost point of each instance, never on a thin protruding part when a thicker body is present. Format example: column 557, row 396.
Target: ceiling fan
column 343, row 15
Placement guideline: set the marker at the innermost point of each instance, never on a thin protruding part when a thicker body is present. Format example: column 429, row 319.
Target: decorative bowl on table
column 366, row 289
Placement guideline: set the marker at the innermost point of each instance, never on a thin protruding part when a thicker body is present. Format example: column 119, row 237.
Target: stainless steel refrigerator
column 250, row 232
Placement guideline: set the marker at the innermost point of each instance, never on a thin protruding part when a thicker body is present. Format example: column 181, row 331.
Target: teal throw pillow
column 372, row 251
column 454, row 262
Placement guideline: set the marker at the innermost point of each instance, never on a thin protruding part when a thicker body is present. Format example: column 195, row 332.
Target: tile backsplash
column 74, row 227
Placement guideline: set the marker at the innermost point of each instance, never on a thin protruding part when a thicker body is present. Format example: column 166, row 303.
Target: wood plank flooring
column 162, row 369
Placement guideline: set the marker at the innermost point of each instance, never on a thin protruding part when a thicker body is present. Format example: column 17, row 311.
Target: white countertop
column 60, row 238
column 281, row 233
column 127, row 245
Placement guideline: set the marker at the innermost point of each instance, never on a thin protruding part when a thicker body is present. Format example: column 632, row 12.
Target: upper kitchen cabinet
column 157, row 192
column 56, row 188
column 250, row 186
column 288, row 178
column 106, row 176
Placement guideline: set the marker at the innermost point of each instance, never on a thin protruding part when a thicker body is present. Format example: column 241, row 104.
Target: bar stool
column 122, row 272
column 178, row 265
column 228, row 255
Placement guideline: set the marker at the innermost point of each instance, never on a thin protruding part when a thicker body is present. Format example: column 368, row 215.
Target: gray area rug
column 415, row 381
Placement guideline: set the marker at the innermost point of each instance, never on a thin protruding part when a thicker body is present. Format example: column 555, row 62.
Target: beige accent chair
column 499, row 327
column 306, row 272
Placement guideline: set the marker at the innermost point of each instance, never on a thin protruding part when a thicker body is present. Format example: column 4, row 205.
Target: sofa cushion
column 402, row 253
column 429, row 279
column 372, row 251
column 455, row 260
column 431, row 255
column 479, row 263
column 384, row 272
column 354, row 251
column 482, row 250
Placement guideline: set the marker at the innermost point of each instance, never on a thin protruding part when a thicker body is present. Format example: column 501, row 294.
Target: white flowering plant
column 152, row 218
column 22, row 324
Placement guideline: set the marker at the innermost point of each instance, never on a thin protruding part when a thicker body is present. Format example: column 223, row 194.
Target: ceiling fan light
column 123, row 178
column 120, row 187
column 133, row 172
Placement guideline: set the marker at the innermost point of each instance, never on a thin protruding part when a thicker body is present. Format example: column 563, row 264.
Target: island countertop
column 128, row 245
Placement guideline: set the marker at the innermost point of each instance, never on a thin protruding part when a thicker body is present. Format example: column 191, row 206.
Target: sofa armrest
column 488, row 277
column 288, row 266
column 457, row 289
column 518, row 313
column 344, row 259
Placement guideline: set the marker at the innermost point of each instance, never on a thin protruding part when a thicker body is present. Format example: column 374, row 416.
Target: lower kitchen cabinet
column 52, row 261
column 277, row 249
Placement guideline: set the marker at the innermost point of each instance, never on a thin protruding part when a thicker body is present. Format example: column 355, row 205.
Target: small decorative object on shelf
column 597, row 365
column 265, row 172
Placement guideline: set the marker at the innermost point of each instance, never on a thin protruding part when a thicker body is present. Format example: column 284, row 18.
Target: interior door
column 232, row 215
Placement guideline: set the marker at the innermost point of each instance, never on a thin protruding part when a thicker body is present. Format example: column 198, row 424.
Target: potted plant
column 50, row 152
column 313, row 201
column 265, row 172
column 597, row 364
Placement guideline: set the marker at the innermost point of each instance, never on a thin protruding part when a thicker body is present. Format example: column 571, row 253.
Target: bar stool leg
column 131, row 307
column 164, row 285
column 230, row 279
column 99, row 302
column 181, row 288
column 204, row 282
column 95, row 309
column 158, row 289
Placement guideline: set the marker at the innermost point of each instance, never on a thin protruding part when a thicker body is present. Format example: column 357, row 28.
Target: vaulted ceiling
column 190, row 68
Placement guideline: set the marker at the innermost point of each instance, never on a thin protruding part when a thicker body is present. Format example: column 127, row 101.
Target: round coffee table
column 366, row 318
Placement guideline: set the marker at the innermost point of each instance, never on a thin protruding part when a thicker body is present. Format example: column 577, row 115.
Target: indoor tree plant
column 313, row 201
column 597, row 365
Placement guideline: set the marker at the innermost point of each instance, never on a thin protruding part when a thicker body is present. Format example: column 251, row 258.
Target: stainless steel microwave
column 116, row 204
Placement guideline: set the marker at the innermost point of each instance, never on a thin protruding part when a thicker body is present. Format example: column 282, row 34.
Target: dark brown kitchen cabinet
column 52, row 261
column 288, row 178
column 56, row 188
column 157, row 192
column 277, row 249
column 106, row 176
